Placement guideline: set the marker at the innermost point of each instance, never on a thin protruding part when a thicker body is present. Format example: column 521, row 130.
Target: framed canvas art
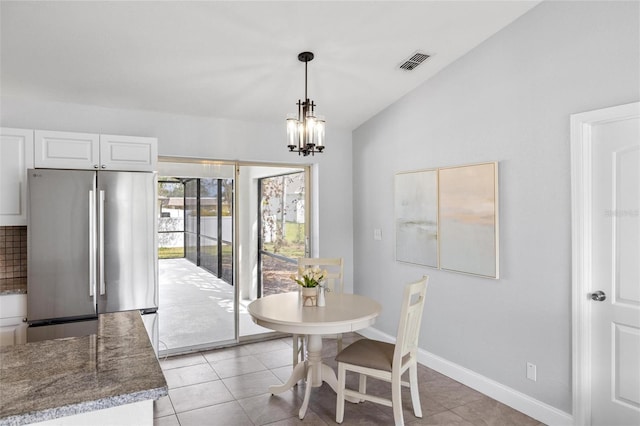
column 447, row 218
column 468, row 219
column 416, row 217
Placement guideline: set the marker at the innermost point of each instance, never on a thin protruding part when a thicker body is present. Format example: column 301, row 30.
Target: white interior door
column 611, row 275
column 616, row 272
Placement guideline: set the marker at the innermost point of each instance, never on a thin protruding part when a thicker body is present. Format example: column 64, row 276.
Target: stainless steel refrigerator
column 91, row 249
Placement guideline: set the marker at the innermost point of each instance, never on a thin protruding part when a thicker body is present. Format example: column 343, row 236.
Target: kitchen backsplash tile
column 13, row 259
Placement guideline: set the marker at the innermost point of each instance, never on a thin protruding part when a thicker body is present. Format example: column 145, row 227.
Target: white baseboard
column 531, row 407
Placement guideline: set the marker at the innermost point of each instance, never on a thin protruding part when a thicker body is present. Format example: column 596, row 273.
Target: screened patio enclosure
column 196, row 222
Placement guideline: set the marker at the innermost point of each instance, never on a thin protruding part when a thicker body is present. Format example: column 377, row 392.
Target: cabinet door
column 16, row 156
column 65, row 150
column 12, row 331
column 13, row 309
column 130, row 153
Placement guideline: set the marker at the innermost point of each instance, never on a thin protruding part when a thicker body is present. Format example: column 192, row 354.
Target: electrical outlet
column 531, row 371
column 377, row 234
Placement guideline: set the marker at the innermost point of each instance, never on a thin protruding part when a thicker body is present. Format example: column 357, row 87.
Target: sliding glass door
column 272, row 232
column 228, row 233
column 197, row 299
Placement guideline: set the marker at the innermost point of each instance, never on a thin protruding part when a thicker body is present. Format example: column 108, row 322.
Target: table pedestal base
column 314, row 371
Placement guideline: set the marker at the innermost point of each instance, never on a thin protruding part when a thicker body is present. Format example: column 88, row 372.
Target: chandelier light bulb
column 319, row 126
column 293, row 134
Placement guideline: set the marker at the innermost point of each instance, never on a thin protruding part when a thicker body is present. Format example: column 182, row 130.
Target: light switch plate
column 377, row 234
column 531, row 371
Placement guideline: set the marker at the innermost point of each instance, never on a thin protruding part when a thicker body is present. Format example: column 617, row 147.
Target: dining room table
column 342, row 313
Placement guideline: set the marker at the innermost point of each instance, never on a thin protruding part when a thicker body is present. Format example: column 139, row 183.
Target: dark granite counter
column 62, row 377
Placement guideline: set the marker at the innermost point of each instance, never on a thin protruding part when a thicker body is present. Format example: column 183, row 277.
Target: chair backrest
column 333, row 266
column 413, row 300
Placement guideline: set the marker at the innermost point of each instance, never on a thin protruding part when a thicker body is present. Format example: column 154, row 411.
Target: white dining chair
column 387, row 361
column 334, row 282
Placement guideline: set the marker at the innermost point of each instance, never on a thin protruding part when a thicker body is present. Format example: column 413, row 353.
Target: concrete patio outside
column 196, row 308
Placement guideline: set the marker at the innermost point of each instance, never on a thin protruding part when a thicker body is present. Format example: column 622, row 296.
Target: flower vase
column 309, row 296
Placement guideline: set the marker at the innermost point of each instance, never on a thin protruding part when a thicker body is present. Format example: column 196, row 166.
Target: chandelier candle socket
column 305, row 131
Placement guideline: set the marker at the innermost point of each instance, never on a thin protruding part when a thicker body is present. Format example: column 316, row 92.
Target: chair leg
column 362, row 385
column 396, row 399
column 340, row 393
column 339, row 339
column 415, row 395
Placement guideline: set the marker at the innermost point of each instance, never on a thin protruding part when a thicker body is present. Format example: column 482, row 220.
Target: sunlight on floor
column 196, row 308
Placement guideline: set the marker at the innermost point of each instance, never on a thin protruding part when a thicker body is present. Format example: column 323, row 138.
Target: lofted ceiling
column 237, row 59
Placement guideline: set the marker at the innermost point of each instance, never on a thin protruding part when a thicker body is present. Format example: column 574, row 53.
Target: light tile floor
column 229, row 387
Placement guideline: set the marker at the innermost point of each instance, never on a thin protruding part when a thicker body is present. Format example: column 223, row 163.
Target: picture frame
column 447, row 218
column 468, row 219
column 416, row 217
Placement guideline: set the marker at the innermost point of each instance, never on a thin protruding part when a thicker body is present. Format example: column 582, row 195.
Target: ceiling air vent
column 415, row 60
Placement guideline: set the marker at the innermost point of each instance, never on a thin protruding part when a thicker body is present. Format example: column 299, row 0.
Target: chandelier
column 305, row 131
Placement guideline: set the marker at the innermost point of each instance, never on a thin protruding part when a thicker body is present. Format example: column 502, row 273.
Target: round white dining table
column 284, row 312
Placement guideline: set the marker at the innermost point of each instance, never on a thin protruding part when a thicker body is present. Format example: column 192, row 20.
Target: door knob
column 598, row 296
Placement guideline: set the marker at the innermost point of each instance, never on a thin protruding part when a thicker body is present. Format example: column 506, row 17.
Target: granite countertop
column 55, row 378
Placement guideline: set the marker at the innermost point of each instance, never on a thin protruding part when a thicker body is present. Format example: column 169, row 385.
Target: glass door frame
column 308, row 216
column 197, row 169
column 238, row 207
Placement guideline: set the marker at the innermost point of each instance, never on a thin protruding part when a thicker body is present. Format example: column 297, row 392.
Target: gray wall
column 217, row 139
column 508, row 100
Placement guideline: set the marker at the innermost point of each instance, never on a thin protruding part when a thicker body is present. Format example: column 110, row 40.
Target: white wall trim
column 504, row 394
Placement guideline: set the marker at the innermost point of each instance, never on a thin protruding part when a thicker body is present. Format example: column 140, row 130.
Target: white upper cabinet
column 66, row 150
column 16, row 156
column 128, row 153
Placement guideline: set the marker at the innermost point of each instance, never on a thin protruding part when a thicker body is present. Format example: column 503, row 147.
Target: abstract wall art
column 416, row 216
column 468, row 219
column 447, row 218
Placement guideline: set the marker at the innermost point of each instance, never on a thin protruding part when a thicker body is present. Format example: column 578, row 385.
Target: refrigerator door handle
column 92, row 242
column 101, row 249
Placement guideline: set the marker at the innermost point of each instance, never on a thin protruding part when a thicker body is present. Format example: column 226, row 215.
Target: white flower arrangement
column 310, row 277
